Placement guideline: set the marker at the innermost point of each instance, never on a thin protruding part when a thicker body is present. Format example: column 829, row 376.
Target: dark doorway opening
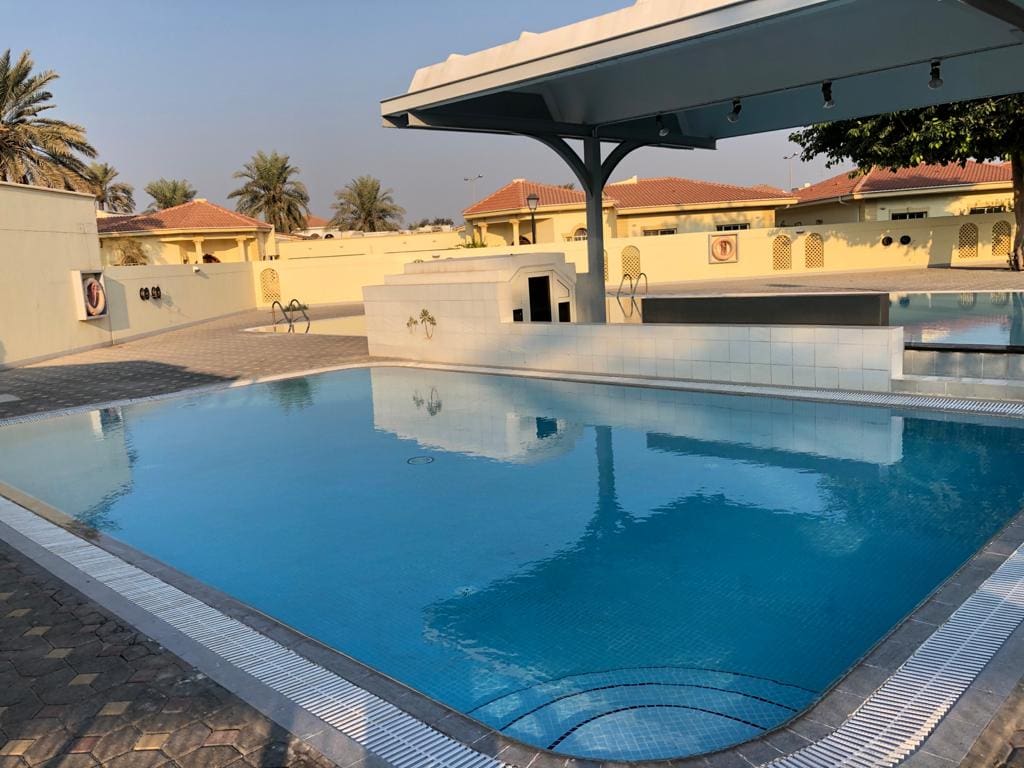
column 540, row 299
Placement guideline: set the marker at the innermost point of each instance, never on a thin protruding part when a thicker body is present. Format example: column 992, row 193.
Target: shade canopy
column 687, row 60
column 686, row 73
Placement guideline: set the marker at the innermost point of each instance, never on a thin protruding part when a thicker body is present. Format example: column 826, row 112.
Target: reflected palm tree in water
column 293, row 394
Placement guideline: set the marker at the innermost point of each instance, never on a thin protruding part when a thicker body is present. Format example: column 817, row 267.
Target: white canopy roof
column 686, row 60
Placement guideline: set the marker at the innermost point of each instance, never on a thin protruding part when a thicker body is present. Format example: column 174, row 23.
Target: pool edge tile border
column 905, row 710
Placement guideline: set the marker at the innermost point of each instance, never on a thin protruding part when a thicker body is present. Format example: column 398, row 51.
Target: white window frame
column 737, row 227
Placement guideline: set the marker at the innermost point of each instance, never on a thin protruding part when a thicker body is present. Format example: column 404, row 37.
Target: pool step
column 645, row 713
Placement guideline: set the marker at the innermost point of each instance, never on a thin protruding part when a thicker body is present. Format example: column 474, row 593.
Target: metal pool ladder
column 289, row 314
column 634, row 286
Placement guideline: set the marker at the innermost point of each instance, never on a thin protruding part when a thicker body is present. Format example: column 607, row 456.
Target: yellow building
column 633, row 208
column 193, row 233
column 925, row 192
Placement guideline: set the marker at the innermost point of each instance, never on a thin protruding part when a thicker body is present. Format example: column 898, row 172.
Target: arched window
column 631, row 261
column 270, row 286
column 782, row 254
column 580, row 234
column 814, row 252
column 967, row 247
column 1001, row 239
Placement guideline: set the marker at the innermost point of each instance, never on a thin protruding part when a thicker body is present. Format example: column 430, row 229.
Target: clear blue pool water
column 608, row 572
column 982, row 319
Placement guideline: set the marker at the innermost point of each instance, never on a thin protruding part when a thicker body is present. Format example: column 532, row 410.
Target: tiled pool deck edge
column 821, row 720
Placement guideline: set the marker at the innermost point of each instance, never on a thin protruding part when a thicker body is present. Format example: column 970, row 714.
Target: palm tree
column 113, row 196
column 33, row 149
column 363, row 206
column 167, row 193
column 270, row 192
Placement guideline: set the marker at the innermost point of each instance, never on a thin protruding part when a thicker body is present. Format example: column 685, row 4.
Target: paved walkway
column 208, row 353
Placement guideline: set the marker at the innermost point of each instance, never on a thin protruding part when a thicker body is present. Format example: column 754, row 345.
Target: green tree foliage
column 113, row 196
column 33, row 149
column 439, row 221
column 128, row 252
column 363, row 206
column 167, row 193
column 982, row 130
column 272, row 193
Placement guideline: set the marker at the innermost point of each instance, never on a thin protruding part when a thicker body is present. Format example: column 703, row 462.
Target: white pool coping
column 892, row 722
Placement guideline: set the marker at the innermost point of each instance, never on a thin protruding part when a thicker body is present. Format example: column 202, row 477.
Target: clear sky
column 192, row 88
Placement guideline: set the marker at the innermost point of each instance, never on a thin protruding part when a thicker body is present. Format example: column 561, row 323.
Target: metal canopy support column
column 593, row 174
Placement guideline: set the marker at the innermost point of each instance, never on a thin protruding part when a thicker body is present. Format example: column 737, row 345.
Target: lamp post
column 472, row 180
column 791, row 158
column 532, row 202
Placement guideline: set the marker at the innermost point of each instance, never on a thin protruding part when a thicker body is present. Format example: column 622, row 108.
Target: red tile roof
column 196, row 215
column 635, row 193
column 316, row 222
column 669, row 191
column 513, row 196
column 882, row 180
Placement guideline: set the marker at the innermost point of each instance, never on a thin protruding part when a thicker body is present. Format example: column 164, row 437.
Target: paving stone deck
column 208, row 353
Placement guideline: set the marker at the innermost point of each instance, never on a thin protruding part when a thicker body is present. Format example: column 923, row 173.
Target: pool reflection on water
column 967, row 319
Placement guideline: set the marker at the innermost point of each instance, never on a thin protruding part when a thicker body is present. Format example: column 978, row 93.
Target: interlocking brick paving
column 92, row 691
column 208, row 353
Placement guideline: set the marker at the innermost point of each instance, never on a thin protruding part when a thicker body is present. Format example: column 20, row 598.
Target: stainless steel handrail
column 287, row 312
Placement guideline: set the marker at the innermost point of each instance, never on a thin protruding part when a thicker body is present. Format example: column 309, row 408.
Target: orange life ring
column 95, row 297
column 723, row 249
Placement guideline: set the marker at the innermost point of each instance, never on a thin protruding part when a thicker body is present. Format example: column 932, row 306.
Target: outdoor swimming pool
column 994, row 319
column 605, row 571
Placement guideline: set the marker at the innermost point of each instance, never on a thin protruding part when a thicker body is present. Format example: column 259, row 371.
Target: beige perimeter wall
column 44, row 236
column 187, row 296
column 678, row 258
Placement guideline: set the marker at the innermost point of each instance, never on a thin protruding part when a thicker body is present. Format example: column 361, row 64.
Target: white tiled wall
column 470, row 331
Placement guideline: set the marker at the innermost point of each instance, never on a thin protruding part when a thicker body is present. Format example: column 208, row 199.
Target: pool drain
column 417, row 460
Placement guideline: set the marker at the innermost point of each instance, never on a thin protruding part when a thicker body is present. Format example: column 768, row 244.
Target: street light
column 791, row 158
column 473, row 180
column 532, row 202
